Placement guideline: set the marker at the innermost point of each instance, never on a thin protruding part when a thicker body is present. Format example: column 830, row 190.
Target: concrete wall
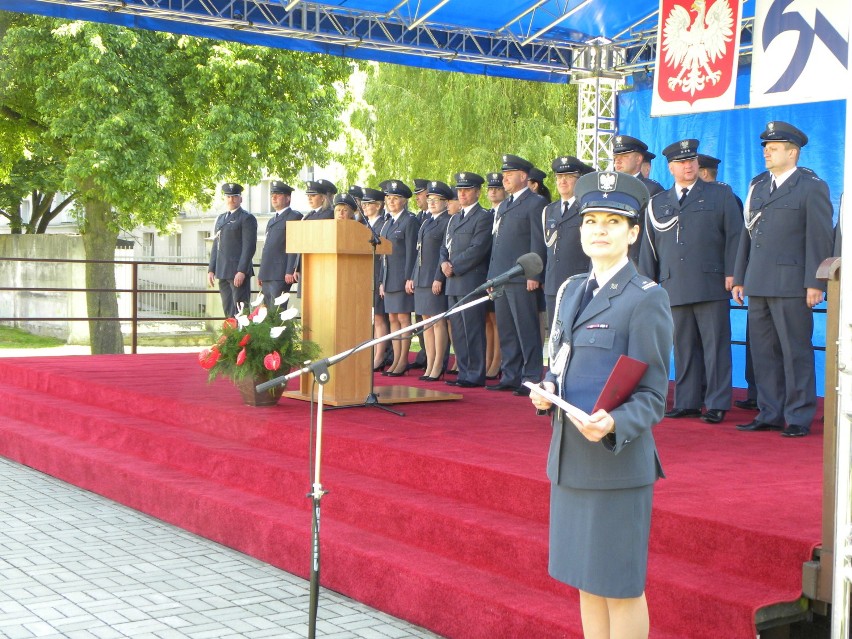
column 23, row 276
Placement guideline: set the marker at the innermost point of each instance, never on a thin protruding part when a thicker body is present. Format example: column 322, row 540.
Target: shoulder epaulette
column 643, row 282
column 759, row 177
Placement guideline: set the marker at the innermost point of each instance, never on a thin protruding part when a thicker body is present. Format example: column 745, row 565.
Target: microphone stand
column 321, row 374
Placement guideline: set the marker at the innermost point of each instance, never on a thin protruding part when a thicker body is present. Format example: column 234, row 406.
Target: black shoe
column 392, row 374
column 794, row 431
column 491, row 378
column 523, row 391
column 466, row 384
column 450, row 382
column 713, row 416
column 415, row 364
column 746, row 404
column 678, row 413
column 502, row 387
column 378, row 368
column 756, row 426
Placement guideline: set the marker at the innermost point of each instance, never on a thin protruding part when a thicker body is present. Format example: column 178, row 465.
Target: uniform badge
column 607, row 181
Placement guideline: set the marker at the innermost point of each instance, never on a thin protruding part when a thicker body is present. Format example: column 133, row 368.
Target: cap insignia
column 771, row 126
column 618, row 139
column 461, row 176
column 393, row 185
column 684, row 144
column 505, row 158
column 606, row 181
column 564, row 160
column 434, row 184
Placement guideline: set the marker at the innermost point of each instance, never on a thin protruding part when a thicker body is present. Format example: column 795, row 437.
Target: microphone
column 529, row 265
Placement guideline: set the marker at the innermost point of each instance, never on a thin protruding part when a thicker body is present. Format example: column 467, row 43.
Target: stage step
column 407, row 498
column 500, row 544
column 362, row 564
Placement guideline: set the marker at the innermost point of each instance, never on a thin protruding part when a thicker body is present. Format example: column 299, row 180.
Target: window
column 147, row 245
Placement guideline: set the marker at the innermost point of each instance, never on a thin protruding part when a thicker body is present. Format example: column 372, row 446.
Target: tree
column 142, row 122
column 431, row 124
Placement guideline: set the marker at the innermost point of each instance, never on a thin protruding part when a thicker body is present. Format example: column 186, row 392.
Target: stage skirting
column 439, row 517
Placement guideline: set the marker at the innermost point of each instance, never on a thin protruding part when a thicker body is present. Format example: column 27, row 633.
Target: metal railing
column 138, row 285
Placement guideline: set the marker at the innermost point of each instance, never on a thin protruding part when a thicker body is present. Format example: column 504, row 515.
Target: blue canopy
column 530, row 39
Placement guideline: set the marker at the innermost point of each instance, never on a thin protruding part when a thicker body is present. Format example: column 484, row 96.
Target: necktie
column 564, row 209
column 683, row 193
column 511, row 199
column 588, row 294
column 772, row 187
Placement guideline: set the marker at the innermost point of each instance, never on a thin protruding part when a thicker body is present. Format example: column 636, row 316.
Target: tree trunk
column 99, row 240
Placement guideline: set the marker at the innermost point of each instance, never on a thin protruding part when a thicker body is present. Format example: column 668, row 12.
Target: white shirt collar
column 605, row 276
column 780, row 179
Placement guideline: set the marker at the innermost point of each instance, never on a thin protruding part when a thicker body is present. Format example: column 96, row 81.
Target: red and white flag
column 698, row 44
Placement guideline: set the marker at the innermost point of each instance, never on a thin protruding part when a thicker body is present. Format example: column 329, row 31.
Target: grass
column 16, row 338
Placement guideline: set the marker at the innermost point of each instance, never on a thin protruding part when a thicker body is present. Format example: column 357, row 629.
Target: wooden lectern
column 337, row 271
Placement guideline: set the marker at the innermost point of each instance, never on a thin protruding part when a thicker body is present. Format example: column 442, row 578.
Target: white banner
column 800, row 51
column 698, row 47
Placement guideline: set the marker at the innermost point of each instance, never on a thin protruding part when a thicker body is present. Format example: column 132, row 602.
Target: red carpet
column 439, row 517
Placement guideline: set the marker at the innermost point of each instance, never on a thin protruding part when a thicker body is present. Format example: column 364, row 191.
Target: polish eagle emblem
column 606, row 181
column 692, row 46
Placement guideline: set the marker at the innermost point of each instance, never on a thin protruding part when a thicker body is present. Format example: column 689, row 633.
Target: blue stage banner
column 734, row 137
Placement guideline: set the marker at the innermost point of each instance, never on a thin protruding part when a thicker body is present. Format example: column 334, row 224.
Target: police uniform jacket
column 467, row 246
column 630, row 316
column 430, row 238
column 398, row 266
column 234, row 244
column 690, row 249
column 275, row 263
column 320, row 214
column 565, row 256
column 786, row 236
column 518, row 232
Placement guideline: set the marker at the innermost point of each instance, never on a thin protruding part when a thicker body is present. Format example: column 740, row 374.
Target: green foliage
column 245, row 342
column 147, row 121
column 433, row 124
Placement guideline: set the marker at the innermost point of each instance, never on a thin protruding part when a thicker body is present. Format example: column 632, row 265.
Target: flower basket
column 257, row 345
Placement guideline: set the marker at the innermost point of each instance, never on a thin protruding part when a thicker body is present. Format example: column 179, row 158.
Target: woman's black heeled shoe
column 379, row 368
column 392, row 374
column 425, row 378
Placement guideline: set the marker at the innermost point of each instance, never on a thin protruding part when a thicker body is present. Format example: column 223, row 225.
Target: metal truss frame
column 399, row 31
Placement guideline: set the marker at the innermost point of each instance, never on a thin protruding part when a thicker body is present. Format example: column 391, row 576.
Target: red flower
column 208, row 357
column 253, row 313
column 245, row 340
column 272, row 362
column 241, row 357
column 230, row 324
column 222, row 339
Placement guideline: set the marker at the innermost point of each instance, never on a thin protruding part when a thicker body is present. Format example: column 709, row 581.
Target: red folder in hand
column 621, row 383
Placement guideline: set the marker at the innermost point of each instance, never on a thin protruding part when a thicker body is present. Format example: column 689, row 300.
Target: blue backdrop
column 733, row 136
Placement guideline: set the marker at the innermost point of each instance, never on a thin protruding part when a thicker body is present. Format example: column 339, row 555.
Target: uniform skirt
column 399, row 302
column 427, row 303
column 599, row 539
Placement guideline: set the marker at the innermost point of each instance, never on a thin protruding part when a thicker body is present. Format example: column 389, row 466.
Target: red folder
column 621, row 383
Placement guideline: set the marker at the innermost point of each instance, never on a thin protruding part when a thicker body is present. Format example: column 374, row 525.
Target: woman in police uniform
column 603, row 470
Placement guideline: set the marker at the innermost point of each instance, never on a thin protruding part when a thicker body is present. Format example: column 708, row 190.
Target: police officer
column 427, row 281
column 647, row 158
column 320, row 197
column 628, row 155
column 372, row 202
column 400, row 230
column 517, row 232
column 708, row 170
column 788, row 232
column 496, row 194
column 692, row 231
column 275, row 275
column 421, row 193
column 561, row 225
column 320, row 194
column 234, row 244
column 464, row 261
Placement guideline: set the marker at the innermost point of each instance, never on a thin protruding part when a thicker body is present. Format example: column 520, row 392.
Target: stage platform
column 438, row 517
